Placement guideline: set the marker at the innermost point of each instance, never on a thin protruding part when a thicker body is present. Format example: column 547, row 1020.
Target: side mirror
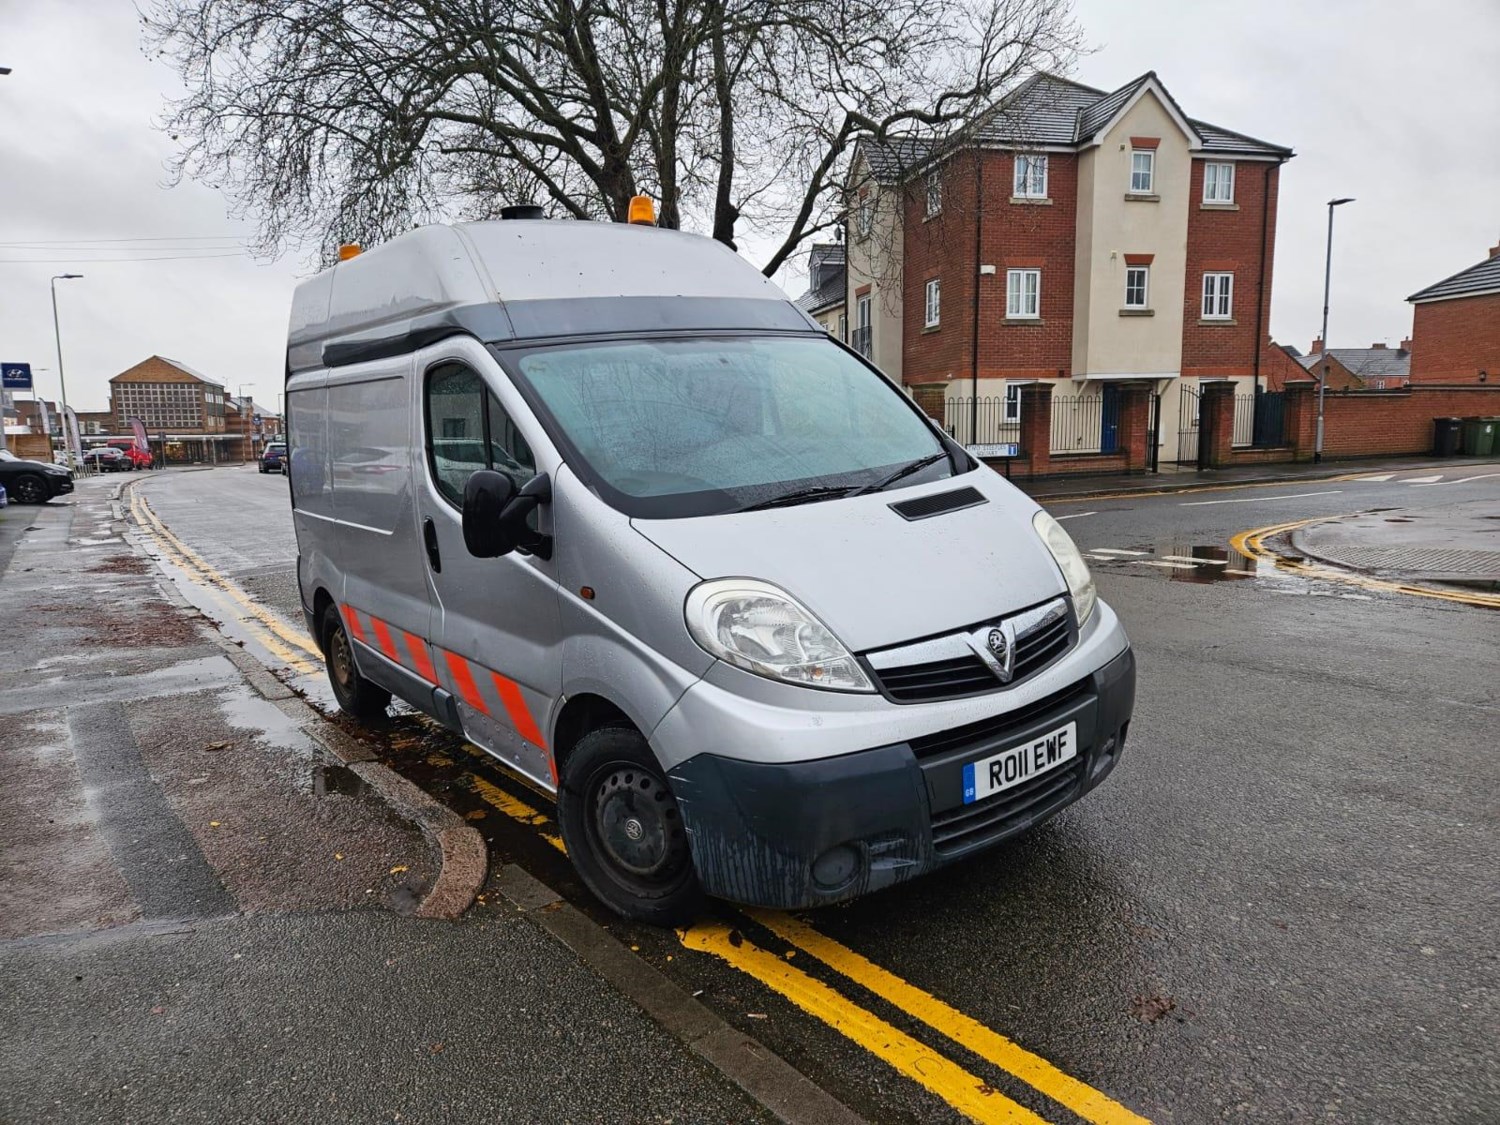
column 495, row 514
column 485, row 497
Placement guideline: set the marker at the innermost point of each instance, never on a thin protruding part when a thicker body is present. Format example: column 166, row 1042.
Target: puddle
column 247, row 711
column 338, row 781
column 1199, row 563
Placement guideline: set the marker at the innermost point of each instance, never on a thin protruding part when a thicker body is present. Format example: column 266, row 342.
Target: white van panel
column 368, row 439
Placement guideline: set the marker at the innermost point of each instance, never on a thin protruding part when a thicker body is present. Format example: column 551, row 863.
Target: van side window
column 467, row 429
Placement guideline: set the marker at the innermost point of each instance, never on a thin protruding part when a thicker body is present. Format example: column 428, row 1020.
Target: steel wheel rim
column 635, row 823
column 341, row 659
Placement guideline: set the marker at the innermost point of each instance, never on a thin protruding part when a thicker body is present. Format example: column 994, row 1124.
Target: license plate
column 1008, row 768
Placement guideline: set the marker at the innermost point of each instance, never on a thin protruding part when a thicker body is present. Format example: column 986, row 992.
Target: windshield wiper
column 904, row 471
column 798, row 496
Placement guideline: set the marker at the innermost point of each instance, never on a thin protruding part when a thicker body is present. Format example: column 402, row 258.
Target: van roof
column 520, row 279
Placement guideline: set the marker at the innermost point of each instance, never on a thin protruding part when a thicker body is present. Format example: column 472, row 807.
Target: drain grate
column 1429, row 562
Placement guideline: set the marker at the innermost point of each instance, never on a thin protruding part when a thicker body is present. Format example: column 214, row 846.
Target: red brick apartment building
column 1092, row 241
column 1456, row 326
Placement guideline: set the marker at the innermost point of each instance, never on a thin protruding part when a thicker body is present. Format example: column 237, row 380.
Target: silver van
column 602, row 500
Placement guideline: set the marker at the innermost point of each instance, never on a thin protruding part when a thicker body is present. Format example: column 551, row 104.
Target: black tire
column 28, row 488
column 356, row 695
column 623, row 830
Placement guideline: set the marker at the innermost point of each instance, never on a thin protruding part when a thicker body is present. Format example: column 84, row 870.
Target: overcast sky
column 1396, row 108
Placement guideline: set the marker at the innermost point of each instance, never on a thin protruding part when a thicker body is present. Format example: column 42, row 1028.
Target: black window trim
column 487, row 392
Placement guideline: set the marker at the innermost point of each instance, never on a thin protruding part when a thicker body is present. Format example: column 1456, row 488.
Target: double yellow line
column 281, row 640
column 1252, row 544
column 967, row 1092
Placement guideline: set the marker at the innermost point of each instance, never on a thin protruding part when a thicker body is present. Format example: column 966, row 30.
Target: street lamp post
column 1323, row 359
column 62, row 380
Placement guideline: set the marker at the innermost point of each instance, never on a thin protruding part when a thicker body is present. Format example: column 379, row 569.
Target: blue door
column 1109, row 426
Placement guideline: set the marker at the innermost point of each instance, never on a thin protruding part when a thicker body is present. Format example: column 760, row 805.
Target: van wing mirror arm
column 533, row 494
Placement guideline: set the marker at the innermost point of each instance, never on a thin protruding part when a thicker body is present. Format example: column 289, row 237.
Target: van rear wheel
column 356, row 695
column 623, row 829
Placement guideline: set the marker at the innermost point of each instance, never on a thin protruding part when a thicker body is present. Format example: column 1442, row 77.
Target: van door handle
column 429, row 540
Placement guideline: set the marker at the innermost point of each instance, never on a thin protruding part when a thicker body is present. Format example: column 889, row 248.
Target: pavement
column 1459, row 544
column 1173, row 479
column 206, row 915
column 1279, row 907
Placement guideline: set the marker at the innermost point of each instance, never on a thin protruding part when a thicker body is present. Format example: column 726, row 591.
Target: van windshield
column 679, row 427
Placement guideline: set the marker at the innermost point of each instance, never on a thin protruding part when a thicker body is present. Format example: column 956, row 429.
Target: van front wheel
column 356, row 695
column 623, row 830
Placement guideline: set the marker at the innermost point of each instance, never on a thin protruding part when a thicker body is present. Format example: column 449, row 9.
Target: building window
column 1023, row 294
column 1013, row 402
column 1218, row 296
column 1136, row 287
column 1142, row 171
column 934, row 306
column 1031, row 177
column 934, row 192
column 864, row 338
column 864, row 217
column 1218, row 183
column 843, row 326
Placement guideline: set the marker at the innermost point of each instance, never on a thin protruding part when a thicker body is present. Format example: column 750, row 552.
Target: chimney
column 1317, row 348
column 1379, row 346
column 1406, row 344
column 1495, row 250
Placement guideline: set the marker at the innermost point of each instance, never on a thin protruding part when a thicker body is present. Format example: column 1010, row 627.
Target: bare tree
column 353, row 119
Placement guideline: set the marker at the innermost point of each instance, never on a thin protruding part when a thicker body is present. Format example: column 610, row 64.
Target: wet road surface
column 1279, row 908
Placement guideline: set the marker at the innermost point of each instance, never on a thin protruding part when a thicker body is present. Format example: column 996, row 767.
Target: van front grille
column 959, row 671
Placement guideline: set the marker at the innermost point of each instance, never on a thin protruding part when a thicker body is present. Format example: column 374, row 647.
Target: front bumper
column 810, row 833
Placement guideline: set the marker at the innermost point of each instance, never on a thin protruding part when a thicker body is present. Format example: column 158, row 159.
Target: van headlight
column 763, row 629
column 1070, row 562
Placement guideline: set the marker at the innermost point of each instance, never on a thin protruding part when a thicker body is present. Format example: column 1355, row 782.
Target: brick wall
column 942, row 247
column 1221, row 239
column 1029, row 236
column 1376, row 423
column 1452, row 341
column 1014, row 235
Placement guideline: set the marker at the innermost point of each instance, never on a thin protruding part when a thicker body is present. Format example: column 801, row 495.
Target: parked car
column 660, row 545
column 107, row 460
column 139, row 458
column 4, row 497
column 273, row 460
column 32, row 482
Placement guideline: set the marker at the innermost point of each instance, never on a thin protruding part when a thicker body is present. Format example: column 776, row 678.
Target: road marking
column 1168, row 565
column 268, row 630
column 1115, row 551
column 1074, row 516
column 1423, row 480
column 517, row 809
column 1481, row 476
column 1375, row 477
column 1256, row 499
column 1251, row 544
column 965, row 1092
column 967, row 1032
column 1196, row 562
